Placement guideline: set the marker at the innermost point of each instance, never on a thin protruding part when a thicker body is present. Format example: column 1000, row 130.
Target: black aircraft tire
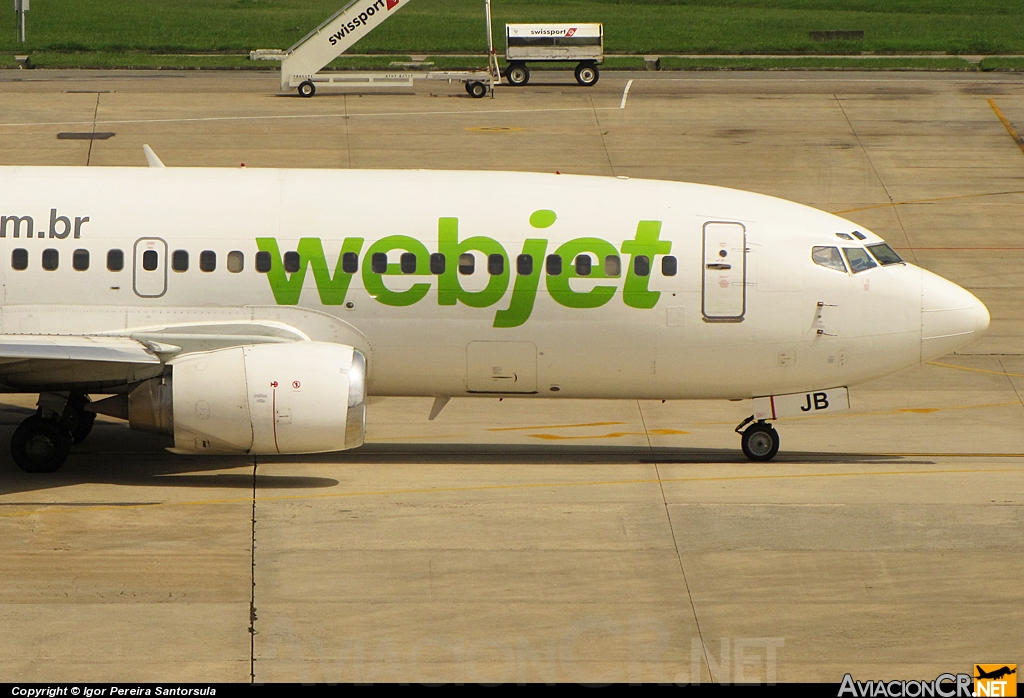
column 80, row 432
column 760, row 442
column 40, row 446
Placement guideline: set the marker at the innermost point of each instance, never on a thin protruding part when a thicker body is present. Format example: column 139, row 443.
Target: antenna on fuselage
column 151, row 157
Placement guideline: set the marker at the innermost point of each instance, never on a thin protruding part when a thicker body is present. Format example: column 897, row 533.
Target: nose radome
column 951, row 316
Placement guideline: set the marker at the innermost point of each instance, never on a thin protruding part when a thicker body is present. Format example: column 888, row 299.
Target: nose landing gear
column 760, row 441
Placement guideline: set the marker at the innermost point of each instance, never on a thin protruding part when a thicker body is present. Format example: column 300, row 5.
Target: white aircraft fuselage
column 495, row 283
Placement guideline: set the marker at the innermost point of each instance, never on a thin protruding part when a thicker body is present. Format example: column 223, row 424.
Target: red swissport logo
column 391, row 4
column 568, row 33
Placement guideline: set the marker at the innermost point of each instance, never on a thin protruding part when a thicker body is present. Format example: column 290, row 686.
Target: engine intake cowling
column 306, row 397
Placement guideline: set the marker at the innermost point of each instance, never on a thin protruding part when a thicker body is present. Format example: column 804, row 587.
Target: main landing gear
column 760, row 441
column 41, row 443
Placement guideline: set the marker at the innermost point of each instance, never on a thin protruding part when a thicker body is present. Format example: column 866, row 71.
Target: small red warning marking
column 296, row 385
column 392, row 3
column 273, row 384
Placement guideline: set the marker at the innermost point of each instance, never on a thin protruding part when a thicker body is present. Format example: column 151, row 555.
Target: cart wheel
column 308, row 89
column 587, row 74
column 518, row 74
column 476, row 89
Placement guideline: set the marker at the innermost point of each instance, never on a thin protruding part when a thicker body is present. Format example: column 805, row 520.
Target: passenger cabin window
column 407, row 262
column 80, row 260
column 438, row 263
column 583, row 264
column 51, row 259
column 19, row 259
column 885, row 254
column 669, row 266
column 612, row 266
column 350, row 262
column 291, row 262
column 524, row 264
column 150, row 260
column 207, row 260
column 236, row 261
column 263, row 262
column 642, row 265
column 496, row 264
column 859, row 259
column 828, row 257
column 379, row 263
column 467, row 263
column 554, row 265
column 179, row 261
column 115, row 260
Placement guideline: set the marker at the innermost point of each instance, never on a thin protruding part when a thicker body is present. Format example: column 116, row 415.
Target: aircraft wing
column 66, row 362
column 17, row 347
column 38, row 362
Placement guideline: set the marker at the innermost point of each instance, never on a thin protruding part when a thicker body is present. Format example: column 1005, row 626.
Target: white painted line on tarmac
column 306, row 116
column 625, row 94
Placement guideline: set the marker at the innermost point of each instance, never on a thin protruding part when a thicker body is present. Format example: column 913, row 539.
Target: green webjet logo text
column 287, row 287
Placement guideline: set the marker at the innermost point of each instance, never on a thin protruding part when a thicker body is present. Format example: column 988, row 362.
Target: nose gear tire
column 760, row 442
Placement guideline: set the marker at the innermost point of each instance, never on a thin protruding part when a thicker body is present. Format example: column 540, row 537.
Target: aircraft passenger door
column 724, row 292
column 149, row 275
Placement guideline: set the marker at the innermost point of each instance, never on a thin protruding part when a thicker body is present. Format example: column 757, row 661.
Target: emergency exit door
column 724, row 294
column 149, row 275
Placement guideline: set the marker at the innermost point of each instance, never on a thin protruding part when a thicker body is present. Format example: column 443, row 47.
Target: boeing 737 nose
column 951, row 317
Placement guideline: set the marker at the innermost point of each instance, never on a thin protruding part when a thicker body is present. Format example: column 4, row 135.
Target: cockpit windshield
column 859, row 259
column 885, row 254
column 828, row 257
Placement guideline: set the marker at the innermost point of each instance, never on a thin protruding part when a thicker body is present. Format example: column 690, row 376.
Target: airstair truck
column 302, row 63
column 575, row 43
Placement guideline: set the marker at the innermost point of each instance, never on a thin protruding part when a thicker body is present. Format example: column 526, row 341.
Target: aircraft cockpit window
column 80, row 260
column 350, row 262
column 207, row 260
column 612, row 266
column 438, row 263
column 885, row 254
column 828, row 257
column 19, row 259
column 496, row 264
column 554, row 265
column 407, row 262
column 524, row 264
column 263, row 261
column 642, row 265
column 583, row 264
column 844, row 236
column 292, row 262
column 859, row 235
column 859, row 259
column 115, row 260
column 378, row 263
column 179, row 261
column 51, row 259
column 669, row 266
column 467, row 263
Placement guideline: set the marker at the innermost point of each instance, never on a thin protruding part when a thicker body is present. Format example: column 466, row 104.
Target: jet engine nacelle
column 306, row 397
